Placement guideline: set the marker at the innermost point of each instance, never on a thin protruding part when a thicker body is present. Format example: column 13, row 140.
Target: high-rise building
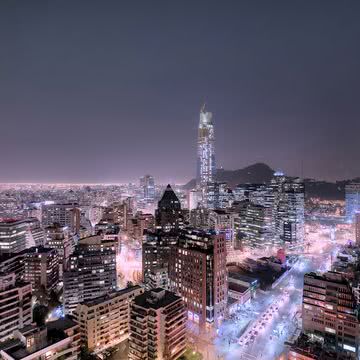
column 194, row 199
column 168, row 215
column 357, row 228
column 147, row 185
column 41, row 269
column 198, row 273
column 104, row 321
column 156, row 250
column 15, row 305
column 62, row 214
column 352, row 200
column 329, row 311
column 13, row 263
column 255, row 225
column 288, row 209
column 59, row 238
column 217, row 195
column 13, row 236
column 157, row 326
column 205, row 149
column 91, row 272
column 137, row 224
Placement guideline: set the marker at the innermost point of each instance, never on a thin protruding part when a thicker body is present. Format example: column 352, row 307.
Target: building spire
column 203, row 108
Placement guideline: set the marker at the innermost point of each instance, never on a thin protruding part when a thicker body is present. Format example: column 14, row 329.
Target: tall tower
column 206, row 149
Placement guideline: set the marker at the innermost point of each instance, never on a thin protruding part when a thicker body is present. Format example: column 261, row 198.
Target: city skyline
column 85, row 90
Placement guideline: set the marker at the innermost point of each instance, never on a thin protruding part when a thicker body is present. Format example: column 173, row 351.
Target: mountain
column 262, row 173
column 257, row 173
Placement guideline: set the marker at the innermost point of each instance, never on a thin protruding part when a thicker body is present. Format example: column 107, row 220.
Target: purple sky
column 106, row 91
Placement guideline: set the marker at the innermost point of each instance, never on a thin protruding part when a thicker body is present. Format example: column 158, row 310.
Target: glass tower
column 206, row 149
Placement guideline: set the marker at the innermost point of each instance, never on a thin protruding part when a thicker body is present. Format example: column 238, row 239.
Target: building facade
column 198, row 273
column 104, row 321
column 205, row 149
column 157, row 326
column 352, row 200
column 168, row 215
column 41, row 269
column 329, row 311
column 15, row 305
column 91, row 272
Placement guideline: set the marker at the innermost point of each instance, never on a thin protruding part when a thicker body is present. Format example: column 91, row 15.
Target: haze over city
column 180, row 180
column 113, row 91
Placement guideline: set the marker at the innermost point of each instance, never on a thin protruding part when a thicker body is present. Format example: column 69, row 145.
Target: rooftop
column 156, row 299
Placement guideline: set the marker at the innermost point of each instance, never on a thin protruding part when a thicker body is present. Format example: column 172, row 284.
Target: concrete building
column 62, row 214
column 198, row 273
column 13, row 263
column 59, row 339
column 157, row 326
column 138, row 223
column 41, row 269
column 15, row 305
column 104, row 321
column 13, row 236
column 156, row 252
column 91, row 272
column 59, row 238
column 329, row 312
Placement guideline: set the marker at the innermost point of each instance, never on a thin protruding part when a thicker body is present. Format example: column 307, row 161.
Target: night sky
column 106, row 91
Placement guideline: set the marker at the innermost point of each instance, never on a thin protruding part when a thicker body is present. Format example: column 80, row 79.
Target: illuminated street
column 259, row 329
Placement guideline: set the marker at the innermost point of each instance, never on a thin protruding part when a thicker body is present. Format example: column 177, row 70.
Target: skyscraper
column 206, row 149
column 197, row 272
column 168, row 215
column 92, row 271
column 352, row 199
column 147, row 185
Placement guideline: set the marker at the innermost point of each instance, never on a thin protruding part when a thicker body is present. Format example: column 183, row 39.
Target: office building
column 156, row 252
column 198, row 273
column 357, row 228
column 288, row 209
column 138, row 224
column 59, row 339
column 62, row 214
column 157, row 326
column 206, row 167
column 168, row 215
column 352, row 200
column 91, row 272
column 13, row 236
column 59, row 238
column 329, row 312
column 41, row 269
column 104, row 321
column 256, row 226
column 217, row 195
column 13, row 263
column 147, row 185
column 15, row 305
column 194, row 199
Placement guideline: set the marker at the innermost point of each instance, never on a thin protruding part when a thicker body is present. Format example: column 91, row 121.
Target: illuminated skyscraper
column 147, row 185
column 206, row 149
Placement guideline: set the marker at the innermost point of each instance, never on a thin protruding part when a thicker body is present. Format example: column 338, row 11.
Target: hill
column 256, row 174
